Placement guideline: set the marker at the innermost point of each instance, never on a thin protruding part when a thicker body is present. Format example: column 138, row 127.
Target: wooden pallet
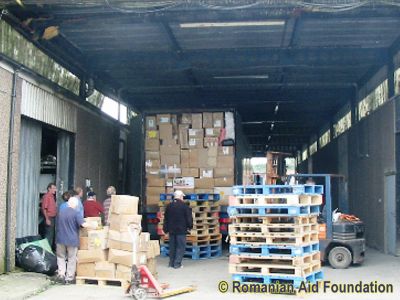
column 276, row 239
column 266, row 269
column 272, row 220
column 199, row 232
column 273, row 228
column 101, row 281
column 276, row 260
column 276, row 200
column 201, row 209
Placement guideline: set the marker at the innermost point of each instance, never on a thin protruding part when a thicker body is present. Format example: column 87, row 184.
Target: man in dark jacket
column 178, row 221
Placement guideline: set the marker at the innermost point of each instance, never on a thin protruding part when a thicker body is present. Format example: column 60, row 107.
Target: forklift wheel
column 139, row 294
column 340, row 258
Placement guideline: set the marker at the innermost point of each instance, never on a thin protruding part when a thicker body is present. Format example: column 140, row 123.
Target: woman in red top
column 91, row 207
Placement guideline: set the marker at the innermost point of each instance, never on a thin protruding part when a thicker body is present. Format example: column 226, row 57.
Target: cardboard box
column 225, row 193
column 206, row 173
column 124, row 204
column 212, row 132
column 144, row 241
column 152, row 164
column 85, row 270
column 203, row 158
column 126, row 242
column 151, row 123
column 204, row 191
column 190, row 172
column 227, row 150
column 204, row 183
column 185, row 158
column 184, row 183
column 152, row 266
column 88, row 256
column 163, row 119
column 196, row 133
column 123, row 273
column 152, row 145
column 155, row 191
column 225, row 161
column 170, row 149
column 170, row 160
column 207, row 119
column 155, row 182
column 153, row 172
column 196, row 143
column 120, row 222
column 152, row 155
column 224, row 172
column 155, row 246
column 218, row 120
column 212, row 151
column 165, row 131
column 186, row 119
column 120, row 257
column 83, row 243
column 95, row 224
column 212, row 162
column 197, row 121
column 105, row 269
column 152, row 200
column 97, row 239
column 224, row 182
column 194, row 158
column 152, row 134
column 184, row 136
column 210, row 142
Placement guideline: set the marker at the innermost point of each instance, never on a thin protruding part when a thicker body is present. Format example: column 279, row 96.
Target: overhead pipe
column 9, row 171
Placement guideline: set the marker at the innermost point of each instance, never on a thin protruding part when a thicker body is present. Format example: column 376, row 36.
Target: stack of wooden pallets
column 204, row 240
column 274, row 234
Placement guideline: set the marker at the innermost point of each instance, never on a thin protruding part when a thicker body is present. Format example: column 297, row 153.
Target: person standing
column 178, row 221
column 91, row 207
column 68, row 223
column 65, row 196
column 79, row 195
column 107, row 203
column 49, row 210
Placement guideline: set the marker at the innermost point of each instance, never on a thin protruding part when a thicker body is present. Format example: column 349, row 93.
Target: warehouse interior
column 317, row 79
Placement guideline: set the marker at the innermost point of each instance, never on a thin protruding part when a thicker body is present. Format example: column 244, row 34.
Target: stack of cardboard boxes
column 107, row 252
column 184, row 152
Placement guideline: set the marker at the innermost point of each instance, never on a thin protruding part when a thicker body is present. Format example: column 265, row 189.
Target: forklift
column 345, row 239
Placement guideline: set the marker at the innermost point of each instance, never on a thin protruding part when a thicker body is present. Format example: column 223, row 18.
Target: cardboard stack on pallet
column 274, row 234
column 204, row 240
column 184, row 151
column 106, row 253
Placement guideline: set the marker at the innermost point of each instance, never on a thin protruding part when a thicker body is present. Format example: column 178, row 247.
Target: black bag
column 18, row 250
column 228, row 142
column 38, row 260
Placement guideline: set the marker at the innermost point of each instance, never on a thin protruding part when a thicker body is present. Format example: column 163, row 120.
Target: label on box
column 183, row 183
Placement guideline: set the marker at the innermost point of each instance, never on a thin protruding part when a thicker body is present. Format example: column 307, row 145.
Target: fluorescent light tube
column 233, row 24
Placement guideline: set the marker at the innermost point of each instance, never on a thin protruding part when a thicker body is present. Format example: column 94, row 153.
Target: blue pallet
column 196, row 255
column 277, row 189
column 281, row 279
column 273, row 210
column 271, row 250
column 197, row 249
column 192, row 197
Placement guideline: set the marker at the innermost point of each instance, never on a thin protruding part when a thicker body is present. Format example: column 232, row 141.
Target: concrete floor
column 206, row 275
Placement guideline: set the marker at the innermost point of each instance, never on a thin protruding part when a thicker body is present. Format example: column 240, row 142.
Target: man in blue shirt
column 67, row 239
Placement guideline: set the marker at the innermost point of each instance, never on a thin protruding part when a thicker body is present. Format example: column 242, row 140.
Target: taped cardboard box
column 88, row 256
column 207, row 119
column 152, row 164
column 170, row 149
column 226, row 150
column 212, row 132
column 204, row 183
column 163, row 119
column 95, row 223
column 212, row 151
column 169, row 160
column 155, row 182
column 152, row 172
column 185, row 158
column 120, row 257
column 190, row 172
column 120, row 222
column 124, row 205
column 218, row 120
column 224, row 182
column 196, row 133
column 152, row 155
column 197, row 121
column 114, row 238
column 83, row 243
column 123, row 272
column 105, row 269
column 224, row 172
column 152, row 145
column 184, row 136
column 165, row 131
column 196, row 143
column 152, row 134
column 226, row 161
column 210, row 142
column 151, row 123
column 97, row 239
column 86, row 270
column 144, row 241
column 206, row 173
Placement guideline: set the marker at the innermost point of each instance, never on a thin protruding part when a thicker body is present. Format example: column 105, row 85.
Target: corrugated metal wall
column 46, row 107
column 28, row 191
